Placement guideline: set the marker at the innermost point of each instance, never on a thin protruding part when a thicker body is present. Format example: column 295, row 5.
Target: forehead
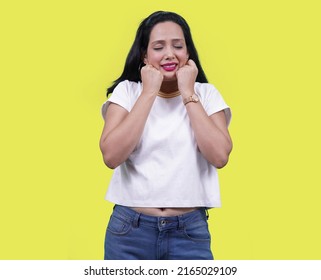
column 166, row 30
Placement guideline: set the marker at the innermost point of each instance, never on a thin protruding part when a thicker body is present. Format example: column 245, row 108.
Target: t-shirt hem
column 166, row 205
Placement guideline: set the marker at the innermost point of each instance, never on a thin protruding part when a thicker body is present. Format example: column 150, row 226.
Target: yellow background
column 57, row 59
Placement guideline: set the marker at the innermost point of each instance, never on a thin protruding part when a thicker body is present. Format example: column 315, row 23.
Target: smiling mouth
column 169, row 67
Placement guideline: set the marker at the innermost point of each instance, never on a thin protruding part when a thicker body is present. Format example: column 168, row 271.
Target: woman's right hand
column 152, row 79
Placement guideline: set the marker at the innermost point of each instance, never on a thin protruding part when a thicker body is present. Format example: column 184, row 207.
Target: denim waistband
column 161, row 222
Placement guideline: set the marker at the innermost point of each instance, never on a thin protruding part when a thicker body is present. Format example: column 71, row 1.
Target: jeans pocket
column 197, row 231
column 118, row 225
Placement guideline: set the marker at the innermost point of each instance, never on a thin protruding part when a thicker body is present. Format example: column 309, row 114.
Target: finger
column 149, row 66
column 191, row 62
column 145, row 66
column 156, row 68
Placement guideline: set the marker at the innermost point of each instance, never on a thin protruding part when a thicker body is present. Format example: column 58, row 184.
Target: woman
column 165, row 134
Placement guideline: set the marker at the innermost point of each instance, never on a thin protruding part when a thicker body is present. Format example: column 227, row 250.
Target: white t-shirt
column 166, row 169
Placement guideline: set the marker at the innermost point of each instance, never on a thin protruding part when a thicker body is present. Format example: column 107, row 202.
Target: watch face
column 195, row 98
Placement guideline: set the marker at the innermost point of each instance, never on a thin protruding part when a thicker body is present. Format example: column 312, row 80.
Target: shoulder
column 125, row 95
column 126, row 90
column 203, row 89
column 127, row 87
column 206, row 92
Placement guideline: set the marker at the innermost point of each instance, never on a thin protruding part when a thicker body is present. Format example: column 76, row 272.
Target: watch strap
column 192, row 98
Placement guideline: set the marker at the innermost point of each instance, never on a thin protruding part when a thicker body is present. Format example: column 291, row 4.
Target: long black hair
column 134, row 60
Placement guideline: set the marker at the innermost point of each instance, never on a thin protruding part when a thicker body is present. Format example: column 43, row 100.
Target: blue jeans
column 134, row 236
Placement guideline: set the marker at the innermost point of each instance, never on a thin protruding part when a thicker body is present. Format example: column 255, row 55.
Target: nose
column 169, row 53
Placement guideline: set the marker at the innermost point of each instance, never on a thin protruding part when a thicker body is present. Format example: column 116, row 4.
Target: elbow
column 109, row 159
column 110, row 163
column 220, row 163
column 222, row 159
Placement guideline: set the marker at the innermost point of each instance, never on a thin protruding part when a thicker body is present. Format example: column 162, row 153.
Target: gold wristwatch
column 193, row 98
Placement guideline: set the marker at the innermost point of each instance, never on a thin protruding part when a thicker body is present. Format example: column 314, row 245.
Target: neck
column 169, row 86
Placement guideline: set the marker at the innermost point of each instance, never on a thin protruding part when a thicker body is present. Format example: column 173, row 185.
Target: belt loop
column 136, row 220
column 180, row 222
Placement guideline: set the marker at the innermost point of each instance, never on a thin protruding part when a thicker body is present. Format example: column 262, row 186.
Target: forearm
column 118, row 143
column 214, row 143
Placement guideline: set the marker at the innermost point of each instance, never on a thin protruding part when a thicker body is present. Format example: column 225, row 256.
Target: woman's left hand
column 186, row 77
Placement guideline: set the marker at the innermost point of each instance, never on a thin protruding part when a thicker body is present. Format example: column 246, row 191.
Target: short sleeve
column 120, row 96
column 213, row 101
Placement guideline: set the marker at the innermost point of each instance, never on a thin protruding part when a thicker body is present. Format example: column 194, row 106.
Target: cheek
column 183, row 56
column 152, row 56
column 155, row 58
column 183, row 59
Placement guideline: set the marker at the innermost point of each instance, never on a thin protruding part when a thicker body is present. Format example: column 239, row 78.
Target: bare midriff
column 163, row 212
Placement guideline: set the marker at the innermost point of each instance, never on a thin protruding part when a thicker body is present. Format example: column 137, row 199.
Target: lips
column 169, row 66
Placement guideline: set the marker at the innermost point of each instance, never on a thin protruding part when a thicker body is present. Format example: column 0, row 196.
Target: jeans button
column 163, row 222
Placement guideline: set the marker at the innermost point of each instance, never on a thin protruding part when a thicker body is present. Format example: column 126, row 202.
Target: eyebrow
column 163, row 41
